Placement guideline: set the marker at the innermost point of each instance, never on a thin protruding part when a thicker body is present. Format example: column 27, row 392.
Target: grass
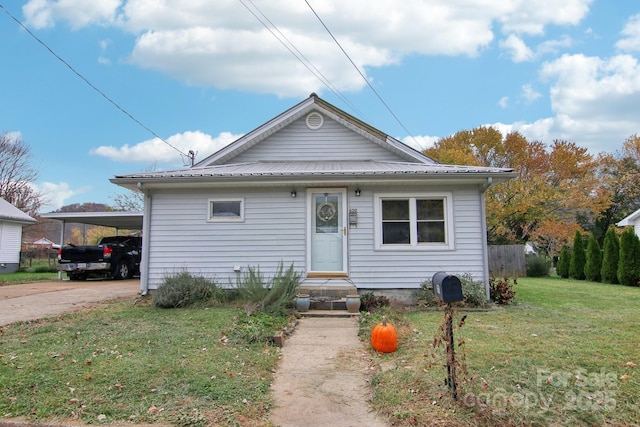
column 38, row 271
column 137, row 364
column 564, row 354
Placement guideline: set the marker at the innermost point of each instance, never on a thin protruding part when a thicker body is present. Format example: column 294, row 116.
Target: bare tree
column 131, row 201
column 17, row 176
column 128, row 202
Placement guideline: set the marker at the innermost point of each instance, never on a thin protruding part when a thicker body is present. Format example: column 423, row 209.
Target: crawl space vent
column 314, row 121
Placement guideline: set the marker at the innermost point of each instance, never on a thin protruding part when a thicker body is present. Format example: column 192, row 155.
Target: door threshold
column 322, row 275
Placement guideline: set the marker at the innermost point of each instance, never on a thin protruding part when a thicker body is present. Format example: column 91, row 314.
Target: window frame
column 447, row 199
column 212, row 218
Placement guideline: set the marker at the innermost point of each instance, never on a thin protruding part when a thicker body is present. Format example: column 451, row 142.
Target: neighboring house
column 318, row 188
column 43, row 243
column 632, row 220
column 11, row 221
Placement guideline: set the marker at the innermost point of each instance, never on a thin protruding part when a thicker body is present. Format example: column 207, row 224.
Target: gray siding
column 274, row 230
column 384, row 269
column 10, row 242
column 331, row 142
column 182, row 239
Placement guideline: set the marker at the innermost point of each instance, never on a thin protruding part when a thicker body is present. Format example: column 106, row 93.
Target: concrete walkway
column 322, row 377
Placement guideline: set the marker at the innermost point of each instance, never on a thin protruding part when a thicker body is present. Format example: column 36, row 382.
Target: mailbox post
column 448, row 289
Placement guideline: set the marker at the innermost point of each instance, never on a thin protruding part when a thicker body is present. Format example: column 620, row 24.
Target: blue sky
column 201, row 74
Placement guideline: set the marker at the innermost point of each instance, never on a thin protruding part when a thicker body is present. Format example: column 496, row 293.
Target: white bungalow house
column 632, row 220
column 316, row 187
column 11, row 221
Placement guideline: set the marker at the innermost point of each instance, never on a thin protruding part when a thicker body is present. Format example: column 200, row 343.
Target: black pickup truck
column 116, row 257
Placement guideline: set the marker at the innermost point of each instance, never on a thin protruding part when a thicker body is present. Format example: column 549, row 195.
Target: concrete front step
column 322, row 304
column 326, row 292
column 328, row 313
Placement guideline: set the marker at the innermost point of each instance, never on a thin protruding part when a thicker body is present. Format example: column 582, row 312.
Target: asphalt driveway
column 31, row 301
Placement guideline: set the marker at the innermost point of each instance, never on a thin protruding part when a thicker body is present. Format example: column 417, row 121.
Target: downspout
column 485, row 243
column 144, row 261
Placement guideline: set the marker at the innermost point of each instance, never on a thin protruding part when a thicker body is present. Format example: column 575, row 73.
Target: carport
column 118, row 220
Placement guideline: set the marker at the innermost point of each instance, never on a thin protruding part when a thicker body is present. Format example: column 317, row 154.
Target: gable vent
column 314, row 121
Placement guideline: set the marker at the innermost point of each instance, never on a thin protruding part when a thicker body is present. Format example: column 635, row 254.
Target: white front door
column 327, row 231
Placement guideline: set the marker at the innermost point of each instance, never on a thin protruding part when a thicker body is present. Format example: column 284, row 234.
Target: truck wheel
column 77, row 276
column 122, row 271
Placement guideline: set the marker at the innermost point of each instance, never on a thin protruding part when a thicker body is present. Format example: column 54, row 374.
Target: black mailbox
column 447, row 287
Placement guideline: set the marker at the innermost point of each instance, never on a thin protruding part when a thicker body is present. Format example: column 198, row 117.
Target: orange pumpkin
column 384, row 338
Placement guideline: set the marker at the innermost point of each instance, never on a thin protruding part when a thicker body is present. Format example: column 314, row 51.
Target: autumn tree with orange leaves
column 556, row 186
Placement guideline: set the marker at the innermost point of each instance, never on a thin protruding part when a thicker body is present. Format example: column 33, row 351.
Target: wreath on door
column 326, row 211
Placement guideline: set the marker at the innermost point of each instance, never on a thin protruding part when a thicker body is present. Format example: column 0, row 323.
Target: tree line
column 559, row 189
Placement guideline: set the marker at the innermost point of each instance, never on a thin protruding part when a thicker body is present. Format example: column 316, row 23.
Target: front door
column 327, row 232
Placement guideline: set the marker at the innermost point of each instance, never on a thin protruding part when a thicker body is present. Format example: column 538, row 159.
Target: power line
column 361, row 74
column 92, row 86
column 297, row 54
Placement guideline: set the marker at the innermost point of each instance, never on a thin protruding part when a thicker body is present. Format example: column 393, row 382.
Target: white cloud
column 529, row 94
column 631, row 31
column 221, row 44
column 56, row 195
column 504, row 102
column 156, row 151
column 517, row 49
column 420, row 142
column 594, row 101
column 531, row 17
column 79, row 13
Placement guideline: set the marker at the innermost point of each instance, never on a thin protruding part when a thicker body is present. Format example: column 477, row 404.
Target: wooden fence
column 507, row 260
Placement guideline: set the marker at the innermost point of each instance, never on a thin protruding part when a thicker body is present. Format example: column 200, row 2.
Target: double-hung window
column 417, row 221
column 226, row 210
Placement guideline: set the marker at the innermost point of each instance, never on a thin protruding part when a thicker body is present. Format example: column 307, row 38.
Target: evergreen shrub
column 610, row 257
column 593, row 266
column 629, row 263
column 562, row 267
column 537, row 266
column 578, row 258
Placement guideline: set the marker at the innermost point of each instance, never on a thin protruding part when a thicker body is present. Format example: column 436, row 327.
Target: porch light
column 293, row 194
column 357, row 192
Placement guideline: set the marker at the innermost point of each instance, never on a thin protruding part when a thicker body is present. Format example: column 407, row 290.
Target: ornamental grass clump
column 272, row 295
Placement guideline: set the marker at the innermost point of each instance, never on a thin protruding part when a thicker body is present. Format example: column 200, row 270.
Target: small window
column 420, row 221
column 226, row 210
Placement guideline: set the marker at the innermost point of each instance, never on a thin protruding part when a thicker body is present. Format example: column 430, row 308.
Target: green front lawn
column 564, row 354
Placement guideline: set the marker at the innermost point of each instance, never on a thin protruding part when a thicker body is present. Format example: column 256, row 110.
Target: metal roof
column 119, row 220
column 264, row 169
column 9, row 212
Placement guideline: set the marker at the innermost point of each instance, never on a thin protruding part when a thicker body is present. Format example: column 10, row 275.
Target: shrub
column 578, row 258
column 501, row 289
column 629, row 263
column 537, row 266
column 610, row 257
column 371, row 302
column 270, row 296
column 473, row 291
column 425, row 296
column 562, row 268
column 183, row 289
column 594, row 260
